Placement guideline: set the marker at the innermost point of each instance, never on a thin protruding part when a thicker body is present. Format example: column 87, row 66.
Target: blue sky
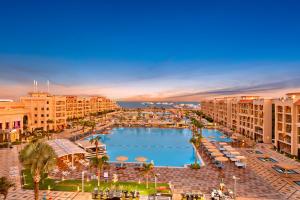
column 150, row 49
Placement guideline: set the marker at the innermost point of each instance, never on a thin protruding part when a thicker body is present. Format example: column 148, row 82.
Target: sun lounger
column 240, row 164
column 220, row 165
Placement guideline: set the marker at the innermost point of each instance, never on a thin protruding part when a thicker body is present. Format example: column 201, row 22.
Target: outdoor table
column 233, row 159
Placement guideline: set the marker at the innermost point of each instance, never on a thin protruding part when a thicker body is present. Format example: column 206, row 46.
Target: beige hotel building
column 41, row 110
column 275, row 121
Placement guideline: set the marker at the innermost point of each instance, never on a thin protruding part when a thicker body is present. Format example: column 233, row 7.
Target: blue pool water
column 166, row 147
column 215, row 135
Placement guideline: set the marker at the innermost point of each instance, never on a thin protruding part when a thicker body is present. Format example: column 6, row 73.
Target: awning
column 63, row 147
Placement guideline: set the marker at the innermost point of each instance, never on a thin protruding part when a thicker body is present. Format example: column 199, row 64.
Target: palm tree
column 40, row 158
column 196, row 143
column 147, row 170
column 5, row 185
column 49, row 121
column 95, row 140
column 92, row 125
column 99, row 163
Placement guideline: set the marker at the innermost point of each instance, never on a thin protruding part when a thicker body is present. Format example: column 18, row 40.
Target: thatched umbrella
column 234, row 153
column 241, row 157
column 122, row 159
column 221, row 159
column 216, row 154
column 213, row 150
column 141, row 159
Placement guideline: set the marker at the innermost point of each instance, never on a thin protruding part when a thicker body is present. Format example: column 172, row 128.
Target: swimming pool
column 165, row 146
column 215, row 135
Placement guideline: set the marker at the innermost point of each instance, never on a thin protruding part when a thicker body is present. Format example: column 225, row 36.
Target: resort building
column 287, row 124
column 274, row 121
column 11, row 120
column 45, row 111
column 51, row 112
column 248, row 115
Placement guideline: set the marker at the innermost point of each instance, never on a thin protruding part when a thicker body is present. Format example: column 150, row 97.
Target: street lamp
column 235, row 179
column 82, row 179
column 155, row 180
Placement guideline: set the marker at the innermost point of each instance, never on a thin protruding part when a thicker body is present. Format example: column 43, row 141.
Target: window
column 43, row 108
column 35, row 115
column 47, row 115
column 42, row 122
column 47, row 102
column 0, row 126
column 35, row 122
column 7, row 125
column 35, row 108
column 47, row 108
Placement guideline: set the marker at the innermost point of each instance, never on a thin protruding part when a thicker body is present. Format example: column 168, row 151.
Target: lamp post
column 82, row 179
column 235, row 178
column 155, row 180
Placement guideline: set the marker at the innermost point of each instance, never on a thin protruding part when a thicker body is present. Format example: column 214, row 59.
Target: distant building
column 51, row 112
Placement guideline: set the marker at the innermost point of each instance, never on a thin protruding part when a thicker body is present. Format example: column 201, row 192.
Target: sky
column 150, row 50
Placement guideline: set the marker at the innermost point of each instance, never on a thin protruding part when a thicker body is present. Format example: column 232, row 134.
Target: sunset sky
column 150, row 50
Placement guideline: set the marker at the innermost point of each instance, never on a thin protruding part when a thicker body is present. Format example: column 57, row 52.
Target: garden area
column 89, row 186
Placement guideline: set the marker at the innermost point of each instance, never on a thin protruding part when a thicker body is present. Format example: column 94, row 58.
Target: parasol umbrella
column 216, row 154
column 231, row 150
column 241, row 157
column 221, row 159
column 141, row 159
column 213, row 150
column 234, row 153
column 222, row 143
column 122, row 159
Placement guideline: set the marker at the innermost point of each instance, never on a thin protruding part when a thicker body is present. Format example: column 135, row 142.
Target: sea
column 136, row 104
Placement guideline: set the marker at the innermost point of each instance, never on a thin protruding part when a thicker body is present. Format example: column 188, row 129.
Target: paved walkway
column 282, row 183
column 10, row 168
column 257, row 181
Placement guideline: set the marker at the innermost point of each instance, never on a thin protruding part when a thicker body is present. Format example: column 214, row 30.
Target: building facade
column 287, row 123
column 51, row 112
column 273, row 121
column 11, row 121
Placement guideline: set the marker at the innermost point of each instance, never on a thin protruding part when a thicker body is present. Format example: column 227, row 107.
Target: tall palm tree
column 95, row 140
column 5, row 185
column 92, row 125
column 40, row 158
column 147, row 170
column 196, row 142
column 49, row 121
column 99, row 163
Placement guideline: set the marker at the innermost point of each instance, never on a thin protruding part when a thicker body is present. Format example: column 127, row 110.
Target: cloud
column 259, row 88
column 138, row 80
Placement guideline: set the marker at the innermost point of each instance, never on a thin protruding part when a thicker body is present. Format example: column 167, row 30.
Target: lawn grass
column 75, row 185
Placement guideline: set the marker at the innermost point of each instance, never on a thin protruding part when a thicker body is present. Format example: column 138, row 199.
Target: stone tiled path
column 256, row 181
column 28, row 195
column 282, row 183
column 249, row 186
